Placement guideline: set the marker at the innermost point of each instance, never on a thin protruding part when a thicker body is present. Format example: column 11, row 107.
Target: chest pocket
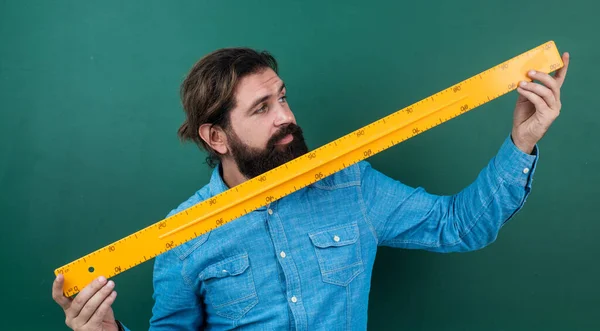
column 338, row 252
column 229, row 287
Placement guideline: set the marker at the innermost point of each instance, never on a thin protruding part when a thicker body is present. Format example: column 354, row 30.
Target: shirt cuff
column 514, row 165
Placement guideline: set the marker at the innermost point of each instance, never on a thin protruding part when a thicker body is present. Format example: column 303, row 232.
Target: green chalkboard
column 89, row 110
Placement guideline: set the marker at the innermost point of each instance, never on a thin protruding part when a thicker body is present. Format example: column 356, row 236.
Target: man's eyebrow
column 264, row 98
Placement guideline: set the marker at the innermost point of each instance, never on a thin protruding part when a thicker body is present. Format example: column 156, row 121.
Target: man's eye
column 262, row 109
column 283, row 98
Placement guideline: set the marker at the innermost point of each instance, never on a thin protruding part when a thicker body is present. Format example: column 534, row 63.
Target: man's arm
column 402, row 216
column 176, row 305
column 408, row 217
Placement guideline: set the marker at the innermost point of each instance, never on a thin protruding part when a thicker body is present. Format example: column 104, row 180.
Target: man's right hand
column 91, row 309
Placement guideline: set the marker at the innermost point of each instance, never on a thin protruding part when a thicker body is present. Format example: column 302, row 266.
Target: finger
column 561, row 73
column 541, row 91
column 101, row 312
column 539, row 103
column 94, row 302
column 57, row 292
column 547, row 80
column 83, row 296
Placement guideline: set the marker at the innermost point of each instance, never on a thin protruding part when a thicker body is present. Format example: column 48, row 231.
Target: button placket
column 292, row 285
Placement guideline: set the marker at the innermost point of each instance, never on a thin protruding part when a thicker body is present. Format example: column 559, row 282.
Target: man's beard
column 253, row 161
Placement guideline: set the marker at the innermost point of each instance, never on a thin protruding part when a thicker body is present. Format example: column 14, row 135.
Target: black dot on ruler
column 91, row 269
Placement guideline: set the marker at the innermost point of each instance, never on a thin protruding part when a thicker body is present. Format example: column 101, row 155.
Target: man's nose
column 284, row 116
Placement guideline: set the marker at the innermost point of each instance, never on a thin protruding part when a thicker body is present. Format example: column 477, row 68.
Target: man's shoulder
column 199, row 196
column 181, row 251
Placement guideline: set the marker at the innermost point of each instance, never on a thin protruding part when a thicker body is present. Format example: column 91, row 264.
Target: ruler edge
column 551, row 42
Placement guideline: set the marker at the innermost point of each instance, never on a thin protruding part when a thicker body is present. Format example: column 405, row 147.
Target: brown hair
column 207, row 93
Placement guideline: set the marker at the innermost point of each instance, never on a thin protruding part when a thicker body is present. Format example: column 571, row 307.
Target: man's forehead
column 256, row 85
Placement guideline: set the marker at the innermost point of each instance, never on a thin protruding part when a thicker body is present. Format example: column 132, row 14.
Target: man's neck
column 231, row 174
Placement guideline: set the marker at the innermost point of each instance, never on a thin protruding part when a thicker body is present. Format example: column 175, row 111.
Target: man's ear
column 214, row 136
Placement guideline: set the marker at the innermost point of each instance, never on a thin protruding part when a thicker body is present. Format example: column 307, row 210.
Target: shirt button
column 294, row 299
column 282, row 254
column 270, row 211
column 526, row 170
column 336, row 238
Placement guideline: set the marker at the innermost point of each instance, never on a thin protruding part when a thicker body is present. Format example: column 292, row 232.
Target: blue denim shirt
column 305, row 262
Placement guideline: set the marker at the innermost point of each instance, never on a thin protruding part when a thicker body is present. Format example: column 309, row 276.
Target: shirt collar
column 217, row 184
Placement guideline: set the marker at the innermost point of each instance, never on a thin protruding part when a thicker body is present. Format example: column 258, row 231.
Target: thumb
column 57, row 292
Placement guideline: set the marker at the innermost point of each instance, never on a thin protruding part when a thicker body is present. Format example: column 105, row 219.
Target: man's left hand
column 538, row 105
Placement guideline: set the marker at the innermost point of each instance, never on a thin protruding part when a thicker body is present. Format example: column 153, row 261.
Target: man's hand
column 91, row 309
column 537, row 107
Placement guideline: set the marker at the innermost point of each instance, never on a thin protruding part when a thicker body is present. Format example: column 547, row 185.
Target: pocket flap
column 335, row 236
column 232, row 266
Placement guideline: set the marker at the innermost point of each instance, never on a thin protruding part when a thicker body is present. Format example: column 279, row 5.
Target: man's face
column 263, row 134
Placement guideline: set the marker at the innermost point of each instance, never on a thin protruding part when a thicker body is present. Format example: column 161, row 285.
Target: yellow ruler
column 162, row 236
